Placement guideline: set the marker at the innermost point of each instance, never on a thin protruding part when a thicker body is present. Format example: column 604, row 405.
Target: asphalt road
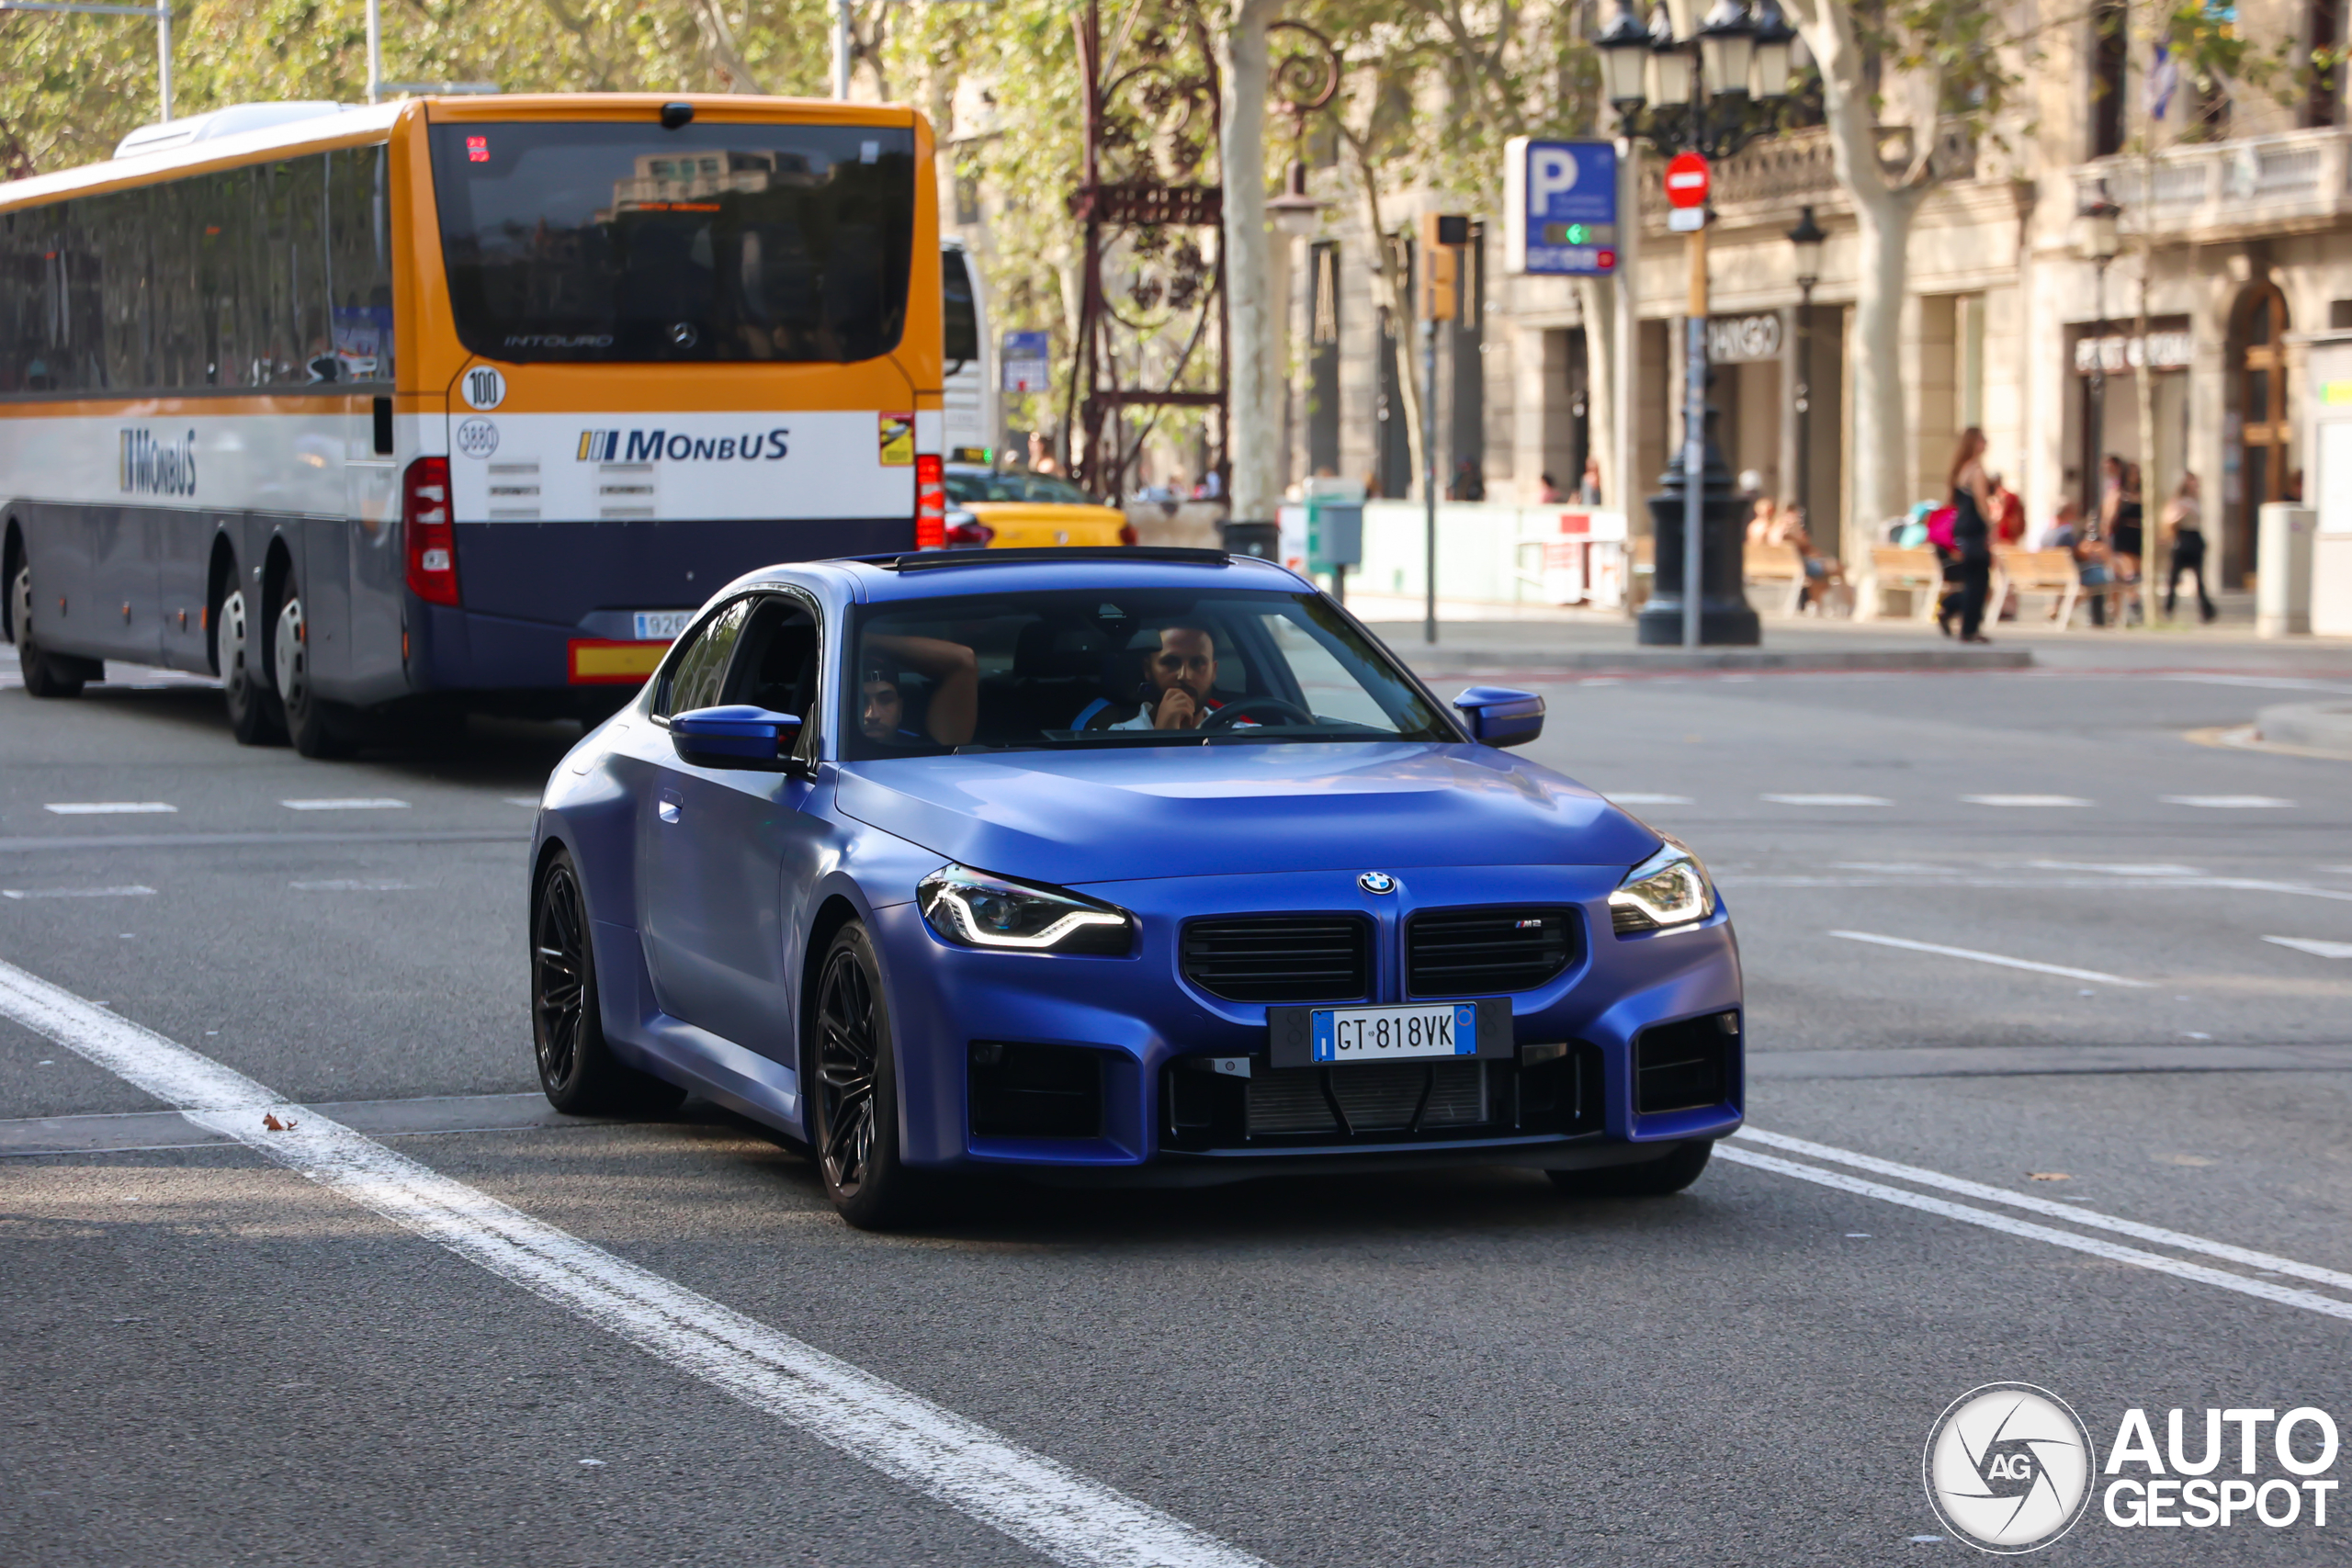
column 211, row 1358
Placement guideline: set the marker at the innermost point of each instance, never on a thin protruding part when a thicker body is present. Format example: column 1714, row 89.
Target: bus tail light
column 931, row 501
column 432, row 540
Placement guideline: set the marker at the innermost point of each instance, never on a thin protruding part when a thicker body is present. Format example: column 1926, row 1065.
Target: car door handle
column 671, row 802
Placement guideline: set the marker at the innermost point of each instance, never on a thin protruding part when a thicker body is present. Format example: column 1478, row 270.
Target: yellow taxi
column 1025, row 511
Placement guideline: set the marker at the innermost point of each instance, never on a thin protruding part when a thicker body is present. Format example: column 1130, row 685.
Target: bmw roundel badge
column 1377, row 882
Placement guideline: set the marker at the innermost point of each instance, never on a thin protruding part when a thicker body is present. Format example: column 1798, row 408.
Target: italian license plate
column 661, row 626
column 1394, row 1034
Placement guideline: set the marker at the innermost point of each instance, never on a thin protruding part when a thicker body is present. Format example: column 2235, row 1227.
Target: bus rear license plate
column 661, row 626
column 1392, row 1034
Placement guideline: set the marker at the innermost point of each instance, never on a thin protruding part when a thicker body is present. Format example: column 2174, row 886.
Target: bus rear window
column 622, row 241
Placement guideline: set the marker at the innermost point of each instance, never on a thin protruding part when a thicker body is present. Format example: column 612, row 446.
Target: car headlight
column 972, row 909
column 1668, row 889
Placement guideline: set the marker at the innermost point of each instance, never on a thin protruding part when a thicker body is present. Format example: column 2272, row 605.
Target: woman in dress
column 1971, row 534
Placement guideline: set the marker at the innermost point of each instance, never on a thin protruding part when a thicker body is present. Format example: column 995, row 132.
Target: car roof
column 946, row 574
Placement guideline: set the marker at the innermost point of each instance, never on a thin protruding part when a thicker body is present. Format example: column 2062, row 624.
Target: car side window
column 694, row 679
column 776, row 660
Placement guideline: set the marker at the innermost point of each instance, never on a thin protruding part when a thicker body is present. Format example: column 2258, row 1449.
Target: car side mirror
column 1498, row 715
column 737, row 735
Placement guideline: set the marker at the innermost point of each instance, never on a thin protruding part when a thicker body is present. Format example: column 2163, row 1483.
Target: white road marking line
column 530, row 800
column 108, row 807
column 2314, row 946
column 1897, row 867
column 2025, row 800
column 2192, row 884
column 351, row 803
column 1035, row 1500
column 2006, row 962
column 1827, row 799
column 2115, row 870
column 1631, row 800
column 2277, row 682
column 2261, row 1289
column 130, row 892
column 352, row 885
column 2132, row 1228
column 2229, row 802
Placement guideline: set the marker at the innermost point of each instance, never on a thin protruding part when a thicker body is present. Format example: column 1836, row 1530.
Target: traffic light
column 1442, row 236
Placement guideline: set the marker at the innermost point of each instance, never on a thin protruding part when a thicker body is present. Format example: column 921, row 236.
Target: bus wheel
column 46, row 675
column 252, row 711
column 310, row 722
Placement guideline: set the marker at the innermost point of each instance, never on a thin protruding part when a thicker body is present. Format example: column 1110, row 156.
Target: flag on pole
column 2163, row 80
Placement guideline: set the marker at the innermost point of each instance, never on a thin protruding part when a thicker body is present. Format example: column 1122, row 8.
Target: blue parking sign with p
column 1560, row 208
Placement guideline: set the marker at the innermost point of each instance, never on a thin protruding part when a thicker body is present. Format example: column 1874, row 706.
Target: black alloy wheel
column 1649, row 1178
column 577, row 1070
column 855, row 1120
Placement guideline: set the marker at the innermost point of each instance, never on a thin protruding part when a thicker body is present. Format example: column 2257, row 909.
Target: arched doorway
column 2259, row 393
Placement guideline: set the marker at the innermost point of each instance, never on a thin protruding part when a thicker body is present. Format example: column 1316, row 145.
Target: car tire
column 317, row 728
column 853, row 1110
column 46, row 675
column 255, row 717
column 578, row 1071
column 1649, row 1178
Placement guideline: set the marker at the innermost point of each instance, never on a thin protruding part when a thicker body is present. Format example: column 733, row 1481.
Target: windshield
column 1121, row 668
column 612, row 241
column 969, row 485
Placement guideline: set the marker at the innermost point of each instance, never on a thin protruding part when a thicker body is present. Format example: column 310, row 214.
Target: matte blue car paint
column 704, row 951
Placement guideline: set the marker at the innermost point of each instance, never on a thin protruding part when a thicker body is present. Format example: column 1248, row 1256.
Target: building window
column 2322, row 97
column 2110, row 39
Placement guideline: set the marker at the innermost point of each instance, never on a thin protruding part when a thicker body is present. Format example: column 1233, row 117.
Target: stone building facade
column 2244, row 211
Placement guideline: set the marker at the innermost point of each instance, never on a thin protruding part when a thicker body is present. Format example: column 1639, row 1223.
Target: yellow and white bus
column 457, row 400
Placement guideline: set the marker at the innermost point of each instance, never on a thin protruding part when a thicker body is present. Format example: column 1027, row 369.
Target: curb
column 1637, row 661
column 2325, row 727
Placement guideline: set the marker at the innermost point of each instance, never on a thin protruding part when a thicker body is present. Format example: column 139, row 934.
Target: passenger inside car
column 1177, row 676
column 954, row 674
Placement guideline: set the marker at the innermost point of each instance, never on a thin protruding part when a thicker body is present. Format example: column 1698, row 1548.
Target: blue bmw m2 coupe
column 1136, row 866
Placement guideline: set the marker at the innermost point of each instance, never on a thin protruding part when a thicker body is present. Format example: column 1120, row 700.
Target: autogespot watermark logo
column 2008, row 1467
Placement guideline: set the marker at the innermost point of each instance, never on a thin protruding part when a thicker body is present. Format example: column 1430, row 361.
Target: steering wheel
column 1249, row 707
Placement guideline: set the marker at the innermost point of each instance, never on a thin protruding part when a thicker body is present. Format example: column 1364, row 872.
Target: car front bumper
column 1154, row 1035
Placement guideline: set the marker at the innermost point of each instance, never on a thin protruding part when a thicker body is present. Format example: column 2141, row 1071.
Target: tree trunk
column 1253, row 350
column 718, row 44
column 1389, row 285
column 1597, row 298
column 1882, row 214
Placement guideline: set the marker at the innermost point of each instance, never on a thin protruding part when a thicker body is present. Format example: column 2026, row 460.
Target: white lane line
column 2229, row 802
column 349, row 803
column 1827, row 799
column 2115, row 869
column 2060, row 1208
column 530, row 800
column 2314, row 946
column 1969, row 953
column 2262, row 1289
column 1632, row 799
column 108, row 807
column 133, row 891
column 1035, row 1500
column 352, row 885
column 2025, row 800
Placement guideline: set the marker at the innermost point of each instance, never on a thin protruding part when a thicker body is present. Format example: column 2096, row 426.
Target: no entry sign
column 1686, row 180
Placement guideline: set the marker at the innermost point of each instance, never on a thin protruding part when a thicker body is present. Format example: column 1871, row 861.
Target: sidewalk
column 1587, row 641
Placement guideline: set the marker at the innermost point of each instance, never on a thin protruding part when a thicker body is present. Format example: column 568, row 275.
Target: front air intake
column 1685, row 1066
column 1035, row 1091
column 1486, row 952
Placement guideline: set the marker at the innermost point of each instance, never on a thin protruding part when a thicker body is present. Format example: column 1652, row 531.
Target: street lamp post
column 1709, row 89
column 2100, row 242
column 1806, row 239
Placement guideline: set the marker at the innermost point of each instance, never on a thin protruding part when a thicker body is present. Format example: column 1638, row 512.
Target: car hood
column 1113, row 814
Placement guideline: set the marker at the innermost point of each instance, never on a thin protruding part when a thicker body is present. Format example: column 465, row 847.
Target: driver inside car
column 1177, row 676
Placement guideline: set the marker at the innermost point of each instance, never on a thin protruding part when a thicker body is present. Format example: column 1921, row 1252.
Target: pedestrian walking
column 1971, row 533
column 1588, row 489
column 2185, row 519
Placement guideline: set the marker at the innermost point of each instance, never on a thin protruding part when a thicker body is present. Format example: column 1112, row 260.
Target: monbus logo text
column 648, row 446
column 153, row 466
